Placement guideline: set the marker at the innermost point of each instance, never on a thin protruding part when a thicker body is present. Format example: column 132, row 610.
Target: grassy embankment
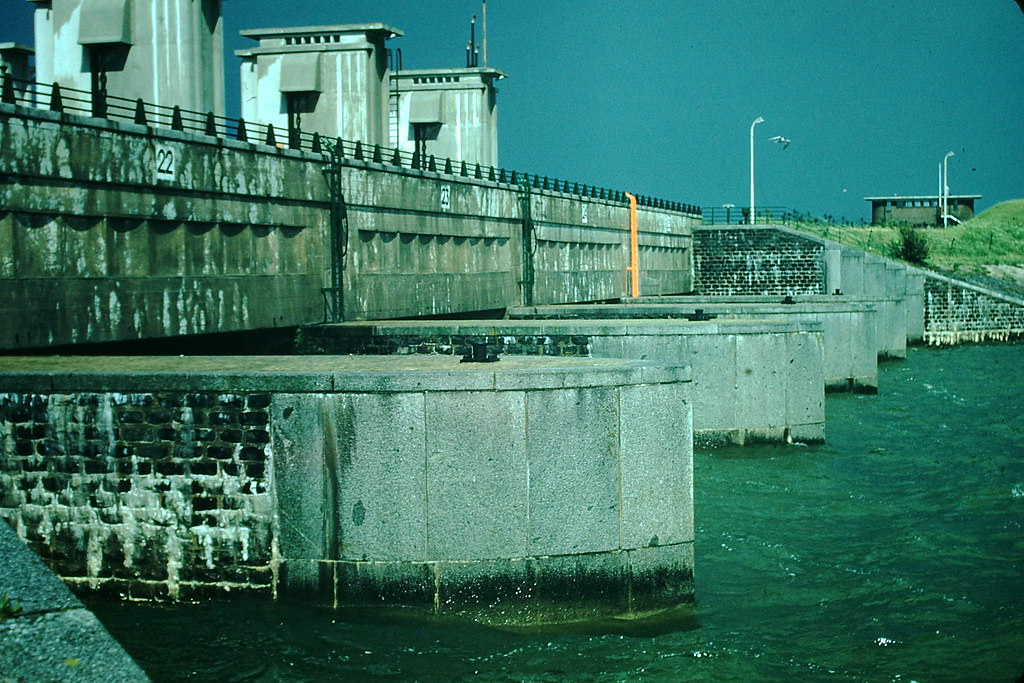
column 991, row 243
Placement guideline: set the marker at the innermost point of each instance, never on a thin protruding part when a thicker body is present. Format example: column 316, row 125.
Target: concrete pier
column 753, row 380
column 526, row 490
column 849, row 335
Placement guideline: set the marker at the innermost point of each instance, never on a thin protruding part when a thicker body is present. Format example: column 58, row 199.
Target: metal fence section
column 101, row 104
column 740, row 215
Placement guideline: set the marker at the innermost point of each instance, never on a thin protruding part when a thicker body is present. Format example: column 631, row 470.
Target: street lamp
column 945, row 188
column 756, row 121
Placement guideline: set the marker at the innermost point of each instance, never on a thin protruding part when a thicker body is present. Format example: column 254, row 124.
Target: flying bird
column 781, row 140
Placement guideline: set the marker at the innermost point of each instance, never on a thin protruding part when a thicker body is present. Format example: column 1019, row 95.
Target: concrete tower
column 168, row 52
column 327, row 79
column 449, row 113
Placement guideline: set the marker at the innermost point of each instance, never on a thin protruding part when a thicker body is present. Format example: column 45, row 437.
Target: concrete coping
column 575, row 327
column 663, row 310
column 327, row 374
column 829, row 299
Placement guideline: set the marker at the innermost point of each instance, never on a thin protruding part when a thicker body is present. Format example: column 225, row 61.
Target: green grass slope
column 993, row 238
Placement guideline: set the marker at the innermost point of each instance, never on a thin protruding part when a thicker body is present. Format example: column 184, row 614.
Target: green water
column 893, row 552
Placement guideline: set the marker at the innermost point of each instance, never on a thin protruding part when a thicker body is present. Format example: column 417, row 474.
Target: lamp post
column 756, row 121
column 945, row 188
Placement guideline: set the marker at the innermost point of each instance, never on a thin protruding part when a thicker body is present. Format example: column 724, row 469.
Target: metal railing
column 740, row 215
column 101, row 104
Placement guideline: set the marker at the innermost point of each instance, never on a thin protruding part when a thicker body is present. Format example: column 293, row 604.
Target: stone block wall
column 756, row 261
column 149, row 495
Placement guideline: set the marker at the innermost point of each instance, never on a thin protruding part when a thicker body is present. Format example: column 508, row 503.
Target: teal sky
column 657, row 96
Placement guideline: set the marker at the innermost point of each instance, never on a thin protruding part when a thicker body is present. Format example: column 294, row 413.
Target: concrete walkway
column 52, row 637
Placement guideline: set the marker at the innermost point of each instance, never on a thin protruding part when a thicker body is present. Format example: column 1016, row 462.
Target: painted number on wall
column 165, row 169
column 583, row 213
column 446, row 197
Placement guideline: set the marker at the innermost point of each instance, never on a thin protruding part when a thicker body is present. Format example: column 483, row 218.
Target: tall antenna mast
column 484, row 12
column 471, row 49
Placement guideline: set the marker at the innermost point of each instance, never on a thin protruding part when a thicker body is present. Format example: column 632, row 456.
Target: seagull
column 781, row 140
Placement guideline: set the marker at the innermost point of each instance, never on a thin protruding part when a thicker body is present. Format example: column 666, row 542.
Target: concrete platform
column 753, row 380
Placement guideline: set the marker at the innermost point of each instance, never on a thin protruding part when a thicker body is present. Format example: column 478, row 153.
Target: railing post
column 211, row 124
column 177, row 123
column 56, row 101
column 140, row 112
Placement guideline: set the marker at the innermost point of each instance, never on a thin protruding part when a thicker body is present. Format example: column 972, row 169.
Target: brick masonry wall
column 324, row 340
column 955, row 314
column 771, row 262
column 155, row 495
column 756, row 261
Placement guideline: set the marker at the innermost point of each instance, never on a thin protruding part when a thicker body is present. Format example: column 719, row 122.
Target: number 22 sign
column 165, row 167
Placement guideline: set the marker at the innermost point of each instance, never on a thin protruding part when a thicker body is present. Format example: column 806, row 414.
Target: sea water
column 892, row 552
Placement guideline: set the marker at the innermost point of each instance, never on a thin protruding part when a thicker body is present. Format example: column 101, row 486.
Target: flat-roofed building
column 920, row 209
column 332, row 80
column 166, row 52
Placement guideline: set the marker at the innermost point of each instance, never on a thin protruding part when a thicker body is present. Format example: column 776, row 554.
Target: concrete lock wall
column 122, row 231
column 119, row 231
column 523, row 491
column 463, row 250
column 753, row 380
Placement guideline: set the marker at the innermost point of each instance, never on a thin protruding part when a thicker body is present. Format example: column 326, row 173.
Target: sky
column 657, row 97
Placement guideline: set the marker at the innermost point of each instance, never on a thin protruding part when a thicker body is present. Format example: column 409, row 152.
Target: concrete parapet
column 46, row 634
column 527, row 490
column 753, row 380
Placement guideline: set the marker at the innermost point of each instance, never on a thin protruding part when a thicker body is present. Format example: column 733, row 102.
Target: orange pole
column 634, row 248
